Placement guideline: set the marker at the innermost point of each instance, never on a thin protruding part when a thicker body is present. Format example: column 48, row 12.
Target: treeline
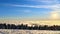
column 32, row 27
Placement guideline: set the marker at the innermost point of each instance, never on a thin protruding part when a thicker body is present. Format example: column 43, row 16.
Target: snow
column 12, row 31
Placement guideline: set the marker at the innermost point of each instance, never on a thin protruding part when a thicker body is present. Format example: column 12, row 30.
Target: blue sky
column 29, row 9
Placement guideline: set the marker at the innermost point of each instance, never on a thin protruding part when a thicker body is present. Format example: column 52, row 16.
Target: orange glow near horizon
column 39, row 22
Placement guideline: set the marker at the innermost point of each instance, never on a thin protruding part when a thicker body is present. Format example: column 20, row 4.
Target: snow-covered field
column 6, row 31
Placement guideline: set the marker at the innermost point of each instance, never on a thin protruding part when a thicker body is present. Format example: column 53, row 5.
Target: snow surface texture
column 6, row 31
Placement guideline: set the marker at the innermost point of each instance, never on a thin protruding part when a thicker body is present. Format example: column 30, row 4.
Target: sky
column 29, row 9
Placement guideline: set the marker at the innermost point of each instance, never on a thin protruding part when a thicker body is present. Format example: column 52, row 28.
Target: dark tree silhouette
column 32, row 27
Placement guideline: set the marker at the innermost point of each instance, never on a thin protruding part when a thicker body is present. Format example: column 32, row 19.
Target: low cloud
column 56, row 6
column 46, row 1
